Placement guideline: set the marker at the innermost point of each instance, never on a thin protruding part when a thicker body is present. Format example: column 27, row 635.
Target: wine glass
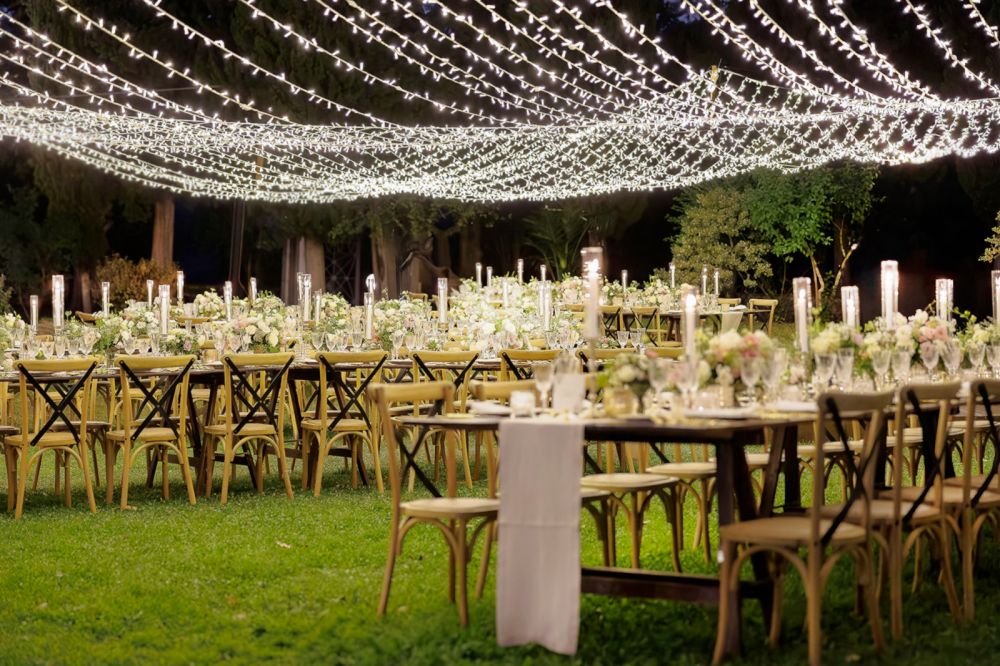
column 687, row 378
column 952, row 357
column 543, row 372
column 317, row 338
column 774, row 370
column 659, row 375
column 396, row 340
column 622, row 338
column 334, row 341
column 750, row 374
column 880, row 365
column 635, row 337
column 929, row 356
column 219, row 343
column 845, row 368
column 825, row 365
column 901, row 361
column 975, row 352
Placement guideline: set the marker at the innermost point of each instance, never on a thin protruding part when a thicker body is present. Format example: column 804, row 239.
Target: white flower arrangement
column 658, row 294
column 261, row 331
column 335, row 313
column 209, row 304
column 404, row 315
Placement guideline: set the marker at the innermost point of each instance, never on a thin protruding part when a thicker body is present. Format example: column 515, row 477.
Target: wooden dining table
column 736, row 499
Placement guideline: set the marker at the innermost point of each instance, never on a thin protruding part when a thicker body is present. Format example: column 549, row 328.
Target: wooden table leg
column 201, row 466
column 725, row 456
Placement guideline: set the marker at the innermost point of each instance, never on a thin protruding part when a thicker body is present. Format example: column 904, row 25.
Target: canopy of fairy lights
column 553, row 105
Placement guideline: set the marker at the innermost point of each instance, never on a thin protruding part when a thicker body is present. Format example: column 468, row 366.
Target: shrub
column 128, row 279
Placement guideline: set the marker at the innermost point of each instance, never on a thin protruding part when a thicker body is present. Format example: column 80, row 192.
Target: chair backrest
column 511, row 358
column 255, row 384
column 769, row 304
column 459, row 370
column 602, row 355
column 349, row 398
column 500, row 390
column 932, row 405
column 835, row 410
column 669, row 350
column 729, row 301
column 441, row 394
column 85, row 317
column 64, row 386
column 415, row 296
column 983, row 401
column 160, row 395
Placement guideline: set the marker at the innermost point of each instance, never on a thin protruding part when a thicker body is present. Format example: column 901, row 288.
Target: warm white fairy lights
column 555, row 106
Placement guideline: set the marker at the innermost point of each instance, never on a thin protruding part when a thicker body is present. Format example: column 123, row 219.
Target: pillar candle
column 704, row 280
column 624, row 281
column 715, row 276
column 58, row 301
column 106, row 298
column 318, row 307
column 995, row 284
column 442, row 300
column 253, row 290
column 850, row 306
column 227, row 297
column 306, row 301
column 506, row 294
column 34, row 313
column 592, row 274
column 546, row 306
column 180, row 287
column 149, row 294
column 542, row 270
column 890, row 293
column 369, row 314
column 489, row 276
column 479, row 274
column 673, row 276
column 944, row 289
column 689, row 319
column 520, row 270
column 802, row 300
column 164, row 308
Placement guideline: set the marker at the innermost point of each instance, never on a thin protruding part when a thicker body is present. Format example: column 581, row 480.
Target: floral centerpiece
column 266, row 302
column 141, row 320
column 260, row 332
column 572, row 290
column 11, row 327
column 657, row 293
column 391, row 315
column 180, row 341
column 112, row 331
column 833, row 336
column 724, row 352
column 209, row 304
column 335, row 313
column 629, row 371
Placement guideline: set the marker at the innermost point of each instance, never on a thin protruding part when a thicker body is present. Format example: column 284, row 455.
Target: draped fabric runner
column 538, row 561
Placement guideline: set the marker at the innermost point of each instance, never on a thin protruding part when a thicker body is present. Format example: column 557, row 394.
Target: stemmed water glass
column 902, row 359
column 750, row 375
column 396, row 339
column 543, row 372
column 659, row 375
column 774, row 370
column 929, row 357
column 975, row 352
column 993, row 357
column 635, row 337
column 622, row 338
column 880, row 365
column 317, row 338
column 825, row 365
column 687, row 378
column 845, row 368
column 952, row 357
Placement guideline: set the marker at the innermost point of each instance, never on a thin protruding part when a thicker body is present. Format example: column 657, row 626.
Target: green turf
column 266, row 579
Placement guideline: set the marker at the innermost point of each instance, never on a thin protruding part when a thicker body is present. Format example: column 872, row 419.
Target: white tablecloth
column 538, row 558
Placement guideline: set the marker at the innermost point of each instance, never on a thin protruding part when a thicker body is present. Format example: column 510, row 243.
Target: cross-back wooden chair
column 647, row 319
column 154, row 404
column 729, row 302
column 823, row 540
column 515, row 364
column 66, row 388
column 769, row 304
column 255, row 386
column 341, row 414
column 451, row 515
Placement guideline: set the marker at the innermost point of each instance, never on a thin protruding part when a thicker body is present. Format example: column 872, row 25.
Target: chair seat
column 951, row 496
column 590, row 495
column 911, row 437
column 758, row 460
column 829, row 448
column 792, row 531
column 881, row 511
column 201, row 394
column 150, row 434
column 249, row 430
column 91, row 425
column 343, row 424
column 623, row 482
column 684, row 470
column 448, row 507
column 977, row 480
column 49, row 439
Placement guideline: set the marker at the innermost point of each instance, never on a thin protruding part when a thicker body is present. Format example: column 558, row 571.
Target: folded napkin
column 730, row 321
column 538, row 558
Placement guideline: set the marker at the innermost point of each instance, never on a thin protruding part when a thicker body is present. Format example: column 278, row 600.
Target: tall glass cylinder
column 150, row 285
column 520, row 270
column 704, row 280
column 106, row 298
column 227, row 298
column 369, row 314
column 58, row 301
column 689, row 319
column 253, row 290
column 715, row 278
column 306, row 302
column 802, row 300
column 489, row 276
column 164, row 308
column 541, row 270
column 318, row 308
column 443, row 301
column 673, row 276
column 546, row 308
column 624, row 282
column 944, row 294
column 592, row 276
column 995, row 287
column 850, row 306
column 479, row 274
column 890, row 293
column 34, row 313
column 180, row 287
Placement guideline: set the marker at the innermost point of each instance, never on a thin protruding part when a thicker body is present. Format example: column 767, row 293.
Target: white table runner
column 538, row 558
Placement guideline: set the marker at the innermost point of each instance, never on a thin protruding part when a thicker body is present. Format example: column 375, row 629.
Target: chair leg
column 895, row 573
column 376, row 463
column 968, row 544
column 484, row 563
column 451, row 565
column 186, row 471
column 86, row 477
column 462, row 564
column 635, row 529
column 283, row 469
column 11, row 458
column 126, row 467
column 38, row 472
column 727, row 600
column 814, row 609
column 322, row 448
column 390, row 564
column 227, row 459
column 165, row 473
column 67, row 488
column 947, row 577
column 22, row 481
column 97, row 473
column 874, row 613
column 110, row 453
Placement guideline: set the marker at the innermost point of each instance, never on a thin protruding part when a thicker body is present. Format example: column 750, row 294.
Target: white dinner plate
column 720, row 413
column 488, row 408
column 805, row 406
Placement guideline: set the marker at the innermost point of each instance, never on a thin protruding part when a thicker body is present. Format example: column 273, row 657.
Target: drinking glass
column 635, row 337
column 901, row 361
column 219, row 343
column 750, row 374
column 566, row 362
column 543, row 372
column 687, row 378
column 825, row 365
column 334, row 341
column 551, row 340
column 880, row 365
column 773, row 371
column 993, row 356
column 396, row 339
column 975, row 352
column 622, row 338
column 659, row 375
column 845, row 368
column 952, row 357
column 929, row 357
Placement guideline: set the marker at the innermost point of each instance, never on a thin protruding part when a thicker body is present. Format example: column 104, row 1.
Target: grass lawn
column 266, row 579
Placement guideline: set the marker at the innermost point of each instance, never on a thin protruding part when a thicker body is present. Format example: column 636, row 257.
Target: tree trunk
column 385, row 261
column 82, row 279
column 301, row 255
column 470, row 250
column 163, row 232
column 442, row 249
